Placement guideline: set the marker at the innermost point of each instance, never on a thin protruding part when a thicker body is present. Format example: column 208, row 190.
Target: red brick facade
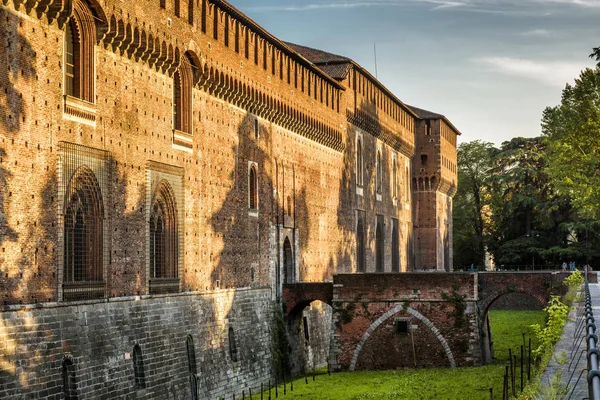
column 196, row 99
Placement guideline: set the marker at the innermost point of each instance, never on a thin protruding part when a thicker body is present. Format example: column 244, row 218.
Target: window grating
column 85, row 173
column 164, row 241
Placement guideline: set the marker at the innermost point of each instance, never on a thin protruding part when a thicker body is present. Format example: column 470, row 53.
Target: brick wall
column 99, row 337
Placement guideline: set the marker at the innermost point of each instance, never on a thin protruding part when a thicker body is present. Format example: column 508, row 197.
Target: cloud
column 537, row 33
column 550, row 73
column 491, row 6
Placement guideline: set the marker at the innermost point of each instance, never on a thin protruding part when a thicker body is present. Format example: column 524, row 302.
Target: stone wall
column 100, row 336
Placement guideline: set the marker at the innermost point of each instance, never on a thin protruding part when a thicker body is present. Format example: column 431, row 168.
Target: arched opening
column 253, row 187
column 192, row 367
column 379, row 245
column 233, row 350
column 288, row 262
column 138, row 368
column 309, row 330
column 516, row 310
column 69, row 379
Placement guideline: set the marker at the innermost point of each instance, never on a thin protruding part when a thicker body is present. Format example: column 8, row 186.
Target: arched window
column 138, row 368
column 192, row 367
column 164, row 241
column 360, row 241
column 80, row 39
column 395, row 247
column 182, row 96
column 379, row 244
column 288, row 262
column 359, row 163
column 379, row 167
column 83, row 236
column 253, row 187
column 233, row 353
column 69, row 379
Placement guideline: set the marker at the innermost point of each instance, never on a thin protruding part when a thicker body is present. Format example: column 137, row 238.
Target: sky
column 490, row 66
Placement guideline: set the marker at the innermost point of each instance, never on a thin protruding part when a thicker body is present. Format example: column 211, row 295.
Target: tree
column 474, row 162
column 572, row 130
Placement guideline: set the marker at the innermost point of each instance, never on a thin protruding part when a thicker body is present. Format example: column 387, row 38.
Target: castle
column 165, row 168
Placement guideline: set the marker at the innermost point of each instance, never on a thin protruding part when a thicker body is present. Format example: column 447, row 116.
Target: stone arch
column 388, row 315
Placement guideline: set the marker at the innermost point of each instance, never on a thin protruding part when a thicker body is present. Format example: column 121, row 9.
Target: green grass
column 508, row 327
column 459, row 383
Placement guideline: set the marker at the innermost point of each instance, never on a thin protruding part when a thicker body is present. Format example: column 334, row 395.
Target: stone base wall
column 99, row 338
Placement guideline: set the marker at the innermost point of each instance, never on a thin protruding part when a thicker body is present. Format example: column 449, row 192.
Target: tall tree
column 471, row 201
column 572, row 129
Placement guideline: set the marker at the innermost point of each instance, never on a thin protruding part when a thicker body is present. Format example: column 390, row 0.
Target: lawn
column 459, row 383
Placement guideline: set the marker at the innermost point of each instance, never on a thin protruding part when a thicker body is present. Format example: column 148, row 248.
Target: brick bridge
column 389, row 321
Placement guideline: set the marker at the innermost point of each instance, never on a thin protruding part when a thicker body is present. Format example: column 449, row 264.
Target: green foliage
column 574, row 280
column 574, row 151
column 550, row 334
column 460, row 305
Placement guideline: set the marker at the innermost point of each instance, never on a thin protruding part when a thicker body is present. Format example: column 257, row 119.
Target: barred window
column 138, row 368
column 83, row 236
column 69, row 379
column 164, row 247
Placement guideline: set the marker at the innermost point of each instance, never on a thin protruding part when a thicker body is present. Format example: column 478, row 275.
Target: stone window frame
column 185, row 78
column 79, row 75
column 253, row 195
column 157, row 176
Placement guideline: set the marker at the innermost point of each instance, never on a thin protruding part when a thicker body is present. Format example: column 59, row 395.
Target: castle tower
column 434, row 182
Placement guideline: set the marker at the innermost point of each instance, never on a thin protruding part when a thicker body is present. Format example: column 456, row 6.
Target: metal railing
column 593, row 354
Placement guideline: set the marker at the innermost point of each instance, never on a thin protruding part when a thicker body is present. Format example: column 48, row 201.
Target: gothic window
column 253, row 187
column 80, row 39
column 360, row 241
column 83, row 240
column 138, row 368
column 164, row 246
column 379, row 173
column 233, row 352
column 69, row 379
column 379, row 244
column 182, row 96
column 192, row 367
column 395, row 247
column 359, row 163
column 288, row 262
